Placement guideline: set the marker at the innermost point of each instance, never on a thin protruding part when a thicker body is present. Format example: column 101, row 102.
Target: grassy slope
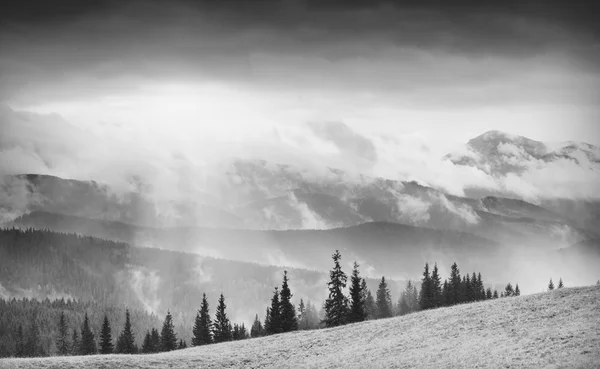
column 550, row 330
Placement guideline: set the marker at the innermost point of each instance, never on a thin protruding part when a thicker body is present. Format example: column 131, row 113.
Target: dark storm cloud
column 96, row 46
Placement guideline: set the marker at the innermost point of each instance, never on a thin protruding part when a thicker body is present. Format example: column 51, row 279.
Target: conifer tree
column 508, row 290
column 436, row 286
column 221, row 326
column 287, row 311
column 495, row 294
column 32, row 343
column 155, row 340
column 336, row 305
column 275, row 314
column 357, row 311
column 243, row 331
column 488, row 293
column 88, row 342
column 560, row 283
column 202, row 326
column 20, row 342
column 267, row 326
column 370, row 305
column 75, row 344
column 62, row 344
column 426, row 299
column 147, row 344
column 454, row 286
column 384, row 300
column 550, row 285
column 182, row 345
column 126, row 340
column 168, row 338
column 468, row 288
column 517, row 290
column 302, row 316
column 446, row 293
column 257, row 329
column 106, row 345
column 480, row 288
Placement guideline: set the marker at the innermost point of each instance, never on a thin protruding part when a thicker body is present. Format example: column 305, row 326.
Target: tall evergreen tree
column 88, row 341
column 436, row 287
column 126, row 340
column 106, row 345
column 267, row 326
column 62, row 344
column 370, row 305
column 488, row 293
column 454, row 286
column 202, row 326
column 468, row 288
column 257, row 328
column 275, row 314
column 182, row 345
column 147, row 344
column 560, row 283
column 32, row 343
column 384, row 300
column 550, row 285
column 508, row 290
column 221, row 326
column 75, row 344
column 168, row 338
column 357, row 312
column 517, row 290
column 336, row 305
column 426, row 298
column 495, row 294
column 480, row 287
column 155, row 340
column 446, row 294
column 287, row 311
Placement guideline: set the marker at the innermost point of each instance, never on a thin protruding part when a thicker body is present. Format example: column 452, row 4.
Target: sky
column 200, row 79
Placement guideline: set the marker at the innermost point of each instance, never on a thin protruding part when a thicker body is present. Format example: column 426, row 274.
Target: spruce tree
column 436, row 286
column 257, row 328
column 287, row 311
column 468, row 288
column 426, row 299
column 267, row 326
column 221, row 326
column 32, row 342
column 275, row 314
column 384, row 300
column 495, row 294
column 62, row 344
column 336, row 305
column 517, row 290
column 302, row 316
column 202, row 326
column 75, row 344
column 20, row 342
column 370, row 305
column 182, row 345
column 126, row 340
column 446, row 294
column 357, row 312
column 88, row 341
column 508, row 290
column 147, row 344
column 155, row 340
column 454, row 286
column 550, row 285
column 560, row 283
column 106, row 345
column 488, row 293
column 168, row 338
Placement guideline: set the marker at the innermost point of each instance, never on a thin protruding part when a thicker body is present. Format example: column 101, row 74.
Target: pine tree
column 257, row 329
column 384, row 300
column 243, row 332
column 126, row 340
column 446, row 294
column 560, row 283
column 275, row 314
column 20, row 342
column 106, row 345
column 155, row 340
column 221, row 326
column 550, row 285
column 454, row 286
column 182, row 345
column 62, row 344
column 302, row 316
column 508, row 290
column 287, row 311
column 480, row 288
column 336, row 305
column 75, row 344
column 495, row 294
column 517, row 290
column 88, row 341
column 202, row 326
column 436, row 287
column 147, row 344
column 357, row 312
column 488, row 293
column 426, row 299
column 168, row 338
column 267, row 326
column 370, row 305
column 468, row 288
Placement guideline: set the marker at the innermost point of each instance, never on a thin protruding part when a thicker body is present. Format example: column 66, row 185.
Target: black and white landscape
column 220, row 184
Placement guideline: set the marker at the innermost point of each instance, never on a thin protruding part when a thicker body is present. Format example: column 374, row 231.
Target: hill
column 556, row 329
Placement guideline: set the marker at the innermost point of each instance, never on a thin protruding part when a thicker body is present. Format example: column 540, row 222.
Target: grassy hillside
column 557, row 329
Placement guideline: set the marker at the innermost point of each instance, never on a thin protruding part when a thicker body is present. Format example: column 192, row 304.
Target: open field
column 560, row 329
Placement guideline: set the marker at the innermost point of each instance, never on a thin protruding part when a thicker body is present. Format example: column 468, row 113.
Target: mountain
column 549, row 329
